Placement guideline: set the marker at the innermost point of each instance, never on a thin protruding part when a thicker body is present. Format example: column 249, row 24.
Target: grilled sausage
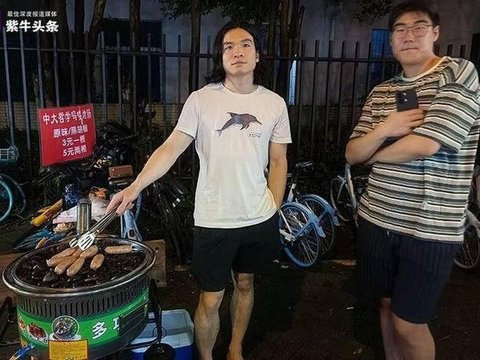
column 75, row 267
column 58, row 258
column 67, row 252
column 97, row 261
column 55, row 261
column 90, row 252
column 121, row 249
column 77, row 252
column 64, row 264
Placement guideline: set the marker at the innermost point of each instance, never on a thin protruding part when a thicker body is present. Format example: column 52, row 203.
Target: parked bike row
column 106, row 171
column 308, row 223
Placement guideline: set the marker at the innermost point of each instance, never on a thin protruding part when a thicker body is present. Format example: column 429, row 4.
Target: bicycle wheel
column 468, row 257
column 6, row 200
column 326, row 221
column 340, row 199
column 298, row 234
column 173, row 228
column 19, row 199
column 157, row 205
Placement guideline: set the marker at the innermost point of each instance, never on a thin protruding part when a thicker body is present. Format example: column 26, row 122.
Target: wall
column 459, row 20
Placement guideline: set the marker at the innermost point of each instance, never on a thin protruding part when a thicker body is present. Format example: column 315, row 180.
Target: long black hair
column 218, row 72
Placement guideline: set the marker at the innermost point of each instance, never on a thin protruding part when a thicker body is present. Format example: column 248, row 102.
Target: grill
column 99, row 320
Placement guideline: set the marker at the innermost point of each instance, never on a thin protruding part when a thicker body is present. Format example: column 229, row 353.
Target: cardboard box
column 115, row 172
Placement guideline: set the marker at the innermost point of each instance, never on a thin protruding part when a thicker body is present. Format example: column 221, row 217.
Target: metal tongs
column 85, row 240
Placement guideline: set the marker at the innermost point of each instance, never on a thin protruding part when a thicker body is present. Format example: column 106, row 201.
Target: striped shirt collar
column 415, row 78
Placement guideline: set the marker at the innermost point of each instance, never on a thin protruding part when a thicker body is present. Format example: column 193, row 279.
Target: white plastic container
column 177, row 331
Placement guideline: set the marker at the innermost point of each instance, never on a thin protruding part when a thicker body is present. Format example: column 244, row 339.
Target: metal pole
column 25, row 95
column 119, row 79
column 55, row 69
column 104, row 75
column 72, row 67
column 40, row 72
column 314, row 98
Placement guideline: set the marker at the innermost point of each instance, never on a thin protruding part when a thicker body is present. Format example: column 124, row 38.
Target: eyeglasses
column 399, row 32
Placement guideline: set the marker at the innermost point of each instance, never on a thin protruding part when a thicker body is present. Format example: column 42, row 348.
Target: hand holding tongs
column 85, row 240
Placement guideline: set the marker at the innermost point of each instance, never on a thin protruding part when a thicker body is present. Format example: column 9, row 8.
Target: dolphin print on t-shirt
column 239, row 119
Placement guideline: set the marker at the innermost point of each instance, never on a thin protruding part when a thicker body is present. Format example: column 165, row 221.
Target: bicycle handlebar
column 304, row 164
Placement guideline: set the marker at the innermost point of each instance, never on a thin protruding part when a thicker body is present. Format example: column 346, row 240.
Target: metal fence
column 325, row 92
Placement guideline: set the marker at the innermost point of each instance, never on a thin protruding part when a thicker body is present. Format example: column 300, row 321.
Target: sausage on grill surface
column 65, row 264
column 64, row 253
column 75, row 267
column 97, row 261
column 90, row 252
column 121, row 249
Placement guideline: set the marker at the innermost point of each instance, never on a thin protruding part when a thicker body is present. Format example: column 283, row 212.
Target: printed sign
column 66, row 133
column 61, row 350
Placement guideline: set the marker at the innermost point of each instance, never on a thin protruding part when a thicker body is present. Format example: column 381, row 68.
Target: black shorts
column 216, row 252
column 410, row 271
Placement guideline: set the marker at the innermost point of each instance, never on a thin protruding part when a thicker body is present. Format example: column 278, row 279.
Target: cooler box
column 177, row 331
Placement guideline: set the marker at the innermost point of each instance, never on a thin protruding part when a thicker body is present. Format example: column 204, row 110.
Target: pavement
column 313, row 314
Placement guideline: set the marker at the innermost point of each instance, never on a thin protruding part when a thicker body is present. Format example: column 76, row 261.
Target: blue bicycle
column 307, row 223
column 300, row 234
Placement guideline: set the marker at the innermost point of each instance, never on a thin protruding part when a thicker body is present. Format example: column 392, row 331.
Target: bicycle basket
column 9, row 155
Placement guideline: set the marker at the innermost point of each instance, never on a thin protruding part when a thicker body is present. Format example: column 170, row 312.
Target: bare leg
column 240, row 311
column 415, row 340
column 207, row 322
column 390, row 345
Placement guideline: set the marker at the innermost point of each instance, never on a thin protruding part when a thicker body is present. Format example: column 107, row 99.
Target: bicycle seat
column 117, row 184
column 304, row 164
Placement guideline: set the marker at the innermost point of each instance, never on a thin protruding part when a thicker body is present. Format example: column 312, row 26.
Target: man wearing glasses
column 422, row 149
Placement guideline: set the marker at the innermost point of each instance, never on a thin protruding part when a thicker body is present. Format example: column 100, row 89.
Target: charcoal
column 50, row 277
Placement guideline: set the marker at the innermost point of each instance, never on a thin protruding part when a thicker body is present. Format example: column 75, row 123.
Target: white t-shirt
column 232, row 133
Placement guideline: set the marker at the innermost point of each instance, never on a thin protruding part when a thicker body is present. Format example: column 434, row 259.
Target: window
column 380, row 48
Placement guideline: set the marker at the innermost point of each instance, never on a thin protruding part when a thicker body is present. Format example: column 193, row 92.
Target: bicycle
column 12, row 196
column 300, row 234
column 468, row 257
column 327, row 219
column 161, row 200
column 345, row 193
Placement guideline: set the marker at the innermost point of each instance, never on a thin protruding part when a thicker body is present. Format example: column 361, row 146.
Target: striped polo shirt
column 427, row 197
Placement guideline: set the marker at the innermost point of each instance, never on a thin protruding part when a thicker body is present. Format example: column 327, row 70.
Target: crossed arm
column 408, row 147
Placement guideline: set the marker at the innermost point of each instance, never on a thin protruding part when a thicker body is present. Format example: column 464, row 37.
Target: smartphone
column 406, row 100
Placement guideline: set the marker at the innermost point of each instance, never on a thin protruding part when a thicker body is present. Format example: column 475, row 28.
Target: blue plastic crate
column 177, row 331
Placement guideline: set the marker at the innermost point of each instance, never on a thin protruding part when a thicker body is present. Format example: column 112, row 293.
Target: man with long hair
column 240, row 128
column 412, row 215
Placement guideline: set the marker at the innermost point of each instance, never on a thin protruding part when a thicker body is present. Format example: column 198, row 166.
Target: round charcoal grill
column 98, row 319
